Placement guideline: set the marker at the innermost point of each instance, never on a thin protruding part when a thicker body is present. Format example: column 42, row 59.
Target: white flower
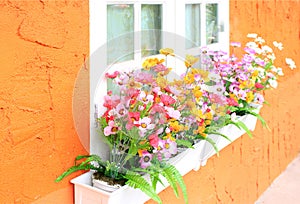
column 278, row 45
column 273, row 83
column 214, row 77
column 252, row 45
column 267, row 49
column 259, row 40
column 252, row 35
column 290, row 62
column 271, row 57
column 277, row 70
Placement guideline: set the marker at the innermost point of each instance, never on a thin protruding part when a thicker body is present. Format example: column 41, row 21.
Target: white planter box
column 232, row 132
column 85, row 193
column 190, row 159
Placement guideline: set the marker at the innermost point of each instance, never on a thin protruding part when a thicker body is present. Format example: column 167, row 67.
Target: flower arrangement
column 151, row 115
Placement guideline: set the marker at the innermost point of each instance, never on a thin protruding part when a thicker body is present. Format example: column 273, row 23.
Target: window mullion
column 203, row 23
column 137, row 31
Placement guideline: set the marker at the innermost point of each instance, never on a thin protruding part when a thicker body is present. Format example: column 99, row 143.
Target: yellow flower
column 219, row 110
column 151, row 62
column 250, row 96
column 190, row 60
column 231, row 95
column 198, row 113
column 161, row 82
column 189, row 78
column 167, row 51
column 175, row 126
column 208, row 116
column 200, row 131
column 197, row 92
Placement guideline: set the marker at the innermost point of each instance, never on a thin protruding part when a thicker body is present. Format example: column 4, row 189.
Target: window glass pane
column 192, row 25
column 151, row 20
column 212, row 34
column 120, row 25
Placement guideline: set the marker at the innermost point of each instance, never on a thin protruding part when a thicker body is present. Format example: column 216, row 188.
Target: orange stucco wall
column 44, row 45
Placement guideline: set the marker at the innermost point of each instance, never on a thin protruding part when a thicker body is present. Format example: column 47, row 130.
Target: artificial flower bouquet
column 151, row 115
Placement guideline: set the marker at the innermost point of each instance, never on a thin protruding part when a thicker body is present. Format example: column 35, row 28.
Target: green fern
column 180, row 182
column 241, row 125
column 174, row 177
column 135, row 180
column 74, row 169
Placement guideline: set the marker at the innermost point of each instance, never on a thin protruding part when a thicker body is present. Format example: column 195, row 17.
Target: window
column 123, row 32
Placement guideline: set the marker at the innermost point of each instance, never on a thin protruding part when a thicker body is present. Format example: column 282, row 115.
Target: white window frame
column 173, row 16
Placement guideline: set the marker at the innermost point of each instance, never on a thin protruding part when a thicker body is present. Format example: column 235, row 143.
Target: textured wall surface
column 44, row 45
column 248, row 166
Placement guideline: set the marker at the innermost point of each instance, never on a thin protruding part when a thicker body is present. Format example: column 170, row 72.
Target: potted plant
column 150, row 117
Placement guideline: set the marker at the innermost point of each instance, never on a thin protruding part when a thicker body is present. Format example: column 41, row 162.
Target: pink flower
column 111, row 128
column 231, row 102
column 145, row 160
column 144, row 98
column 153, row 140
column 112, row 76
column 132, row 118
column 167, row 100
column 160, row 68
column 259, row 86
column 144, row 125
column 121, row 110
column 235, row 44
column 173, row 113
column 144, row 78
column 111, row 101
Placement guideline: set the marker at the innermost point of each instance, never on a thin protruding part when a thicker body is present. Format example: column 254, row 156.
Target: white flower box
column 85, row 193
column 189, row 159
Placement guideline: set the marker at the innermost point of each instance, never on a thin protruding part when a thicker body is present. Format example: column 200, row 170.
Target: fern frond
column 167, row 172
column 220, row 134
column 180, row 182
column 137, row 181
column 74, row 169
column 212, row 142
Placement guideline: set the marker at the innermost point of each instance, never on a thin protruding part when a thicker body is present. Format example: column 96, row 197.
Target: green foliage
column 174, row 177
column 184, row 143
column 84, row 165
column 135, row 180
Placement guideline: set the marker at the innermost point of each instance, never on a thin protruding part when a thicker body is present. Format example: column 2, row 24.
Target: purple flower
column 235, row 44
column 145, row 160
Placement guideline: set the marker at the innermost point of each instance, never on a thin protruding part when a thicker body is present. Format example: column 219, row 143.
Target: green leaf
column 175, row 175
column 74, row 169
column 137, row 181
column 185, row 143
column 212, row 142
column 168, row 174
column 244, row 127
column 217, row 133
